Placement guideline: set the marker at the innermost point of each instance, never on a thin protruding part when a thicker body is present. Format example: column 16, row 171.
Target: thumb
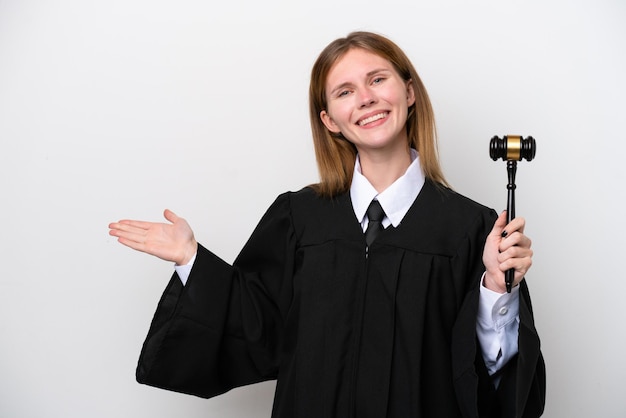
column 170, row 216
column 498, row 226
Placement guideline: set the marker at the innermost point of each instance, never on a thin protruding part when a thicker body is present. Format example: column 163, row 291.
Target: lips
column 372, row 118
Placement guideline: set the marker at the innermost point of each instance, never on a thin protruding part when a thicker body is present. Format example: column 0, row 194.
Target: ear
column 329, row 122
column 410, row 93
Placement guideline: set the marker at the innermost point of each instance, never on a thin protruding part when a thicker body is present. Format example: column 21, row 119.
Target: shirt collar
column 395, row 200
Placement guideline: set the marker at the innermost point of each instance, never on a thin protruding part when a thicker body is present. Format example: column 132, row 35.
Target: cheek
column 340, row 114
column 401, row 96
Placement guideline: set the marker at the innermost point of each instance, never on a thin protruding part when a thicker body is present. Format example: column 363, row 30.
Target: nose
column 366, row 98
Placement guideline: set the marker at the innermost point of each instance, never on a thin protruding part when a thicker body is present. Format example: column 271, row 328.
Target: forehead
column 356, row 64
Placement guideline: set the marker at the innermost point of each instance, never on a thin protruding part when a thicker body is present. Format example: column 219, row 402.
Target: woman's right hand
column 172, row 241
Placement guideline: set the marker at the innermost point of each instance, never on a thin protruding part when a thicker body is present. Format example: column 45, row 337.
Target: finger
column 127, row 236
column 515, row 240
column 520, row 240
column 130, row 228
column 515, row 252
column 517, row 224
column 139, row 246
column 521, row 265
column 129, row 231
column 136, row 223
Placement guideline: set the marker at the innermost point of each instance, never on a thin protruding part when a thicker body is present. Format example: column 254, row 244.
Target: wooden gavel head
column 512, row 148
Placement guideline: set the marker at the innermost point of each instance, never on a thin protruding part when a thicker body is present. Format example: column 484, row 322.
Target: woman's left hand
column 506, row 248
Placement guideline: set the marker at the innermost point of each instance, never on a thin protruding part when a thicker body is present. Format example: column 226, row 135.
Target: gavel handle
column 511, row 168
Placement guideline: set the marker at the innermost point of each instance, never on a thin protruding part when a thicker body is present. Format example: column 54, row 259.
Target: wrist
column 188, row 253
column 495, row 282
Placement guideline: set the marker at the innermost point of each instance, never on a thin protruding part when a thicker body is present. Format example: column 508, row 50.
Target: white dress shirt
column 497, row 323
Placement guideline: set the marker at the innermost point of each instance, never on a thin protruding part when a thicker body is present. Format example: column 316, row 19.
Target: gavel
column 511, row 148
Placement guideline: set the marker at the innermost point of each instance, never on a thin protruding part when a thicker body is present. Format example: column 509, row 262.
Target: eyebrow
column 369, row 74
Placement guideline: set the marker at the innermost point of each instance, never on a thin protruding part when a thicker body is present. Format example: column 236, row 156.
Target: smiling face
column 367, row 102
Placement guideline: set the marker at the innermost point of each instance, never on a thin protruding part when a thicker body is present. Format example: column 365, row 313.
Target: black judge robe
column 391, row 334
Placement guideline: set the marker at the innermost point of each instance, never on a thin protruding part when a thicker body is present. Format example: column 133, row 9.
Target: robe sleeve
column 223, row 329
column 521, row 391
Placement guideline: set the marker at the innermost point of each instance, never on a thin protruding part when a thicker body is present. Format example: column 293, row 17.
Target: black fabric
column 375, row 215
column 347, row 336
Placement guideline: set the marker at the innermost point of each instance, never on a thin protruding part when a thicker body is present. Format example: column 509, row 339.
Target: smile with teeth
column 372, row 118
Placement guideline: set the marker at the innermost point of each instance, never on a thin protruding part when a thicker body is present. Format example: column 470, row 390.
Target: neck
column 383, row 168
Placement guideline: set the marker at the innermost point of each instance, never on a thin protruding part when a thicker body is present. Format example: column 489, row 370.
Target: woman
column 414, row 322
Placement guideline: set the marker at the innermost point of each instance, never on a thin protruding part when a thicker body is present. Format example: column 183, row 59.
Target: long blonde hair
column 335, row 155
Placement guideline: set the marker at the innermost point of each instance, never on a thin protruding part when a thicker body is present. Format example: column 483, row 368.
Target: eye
column 378, row 80
column 343, row 93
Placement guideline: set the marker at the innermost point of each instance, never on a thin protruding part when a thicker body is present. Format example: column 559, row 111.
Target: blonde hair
column 335, row 155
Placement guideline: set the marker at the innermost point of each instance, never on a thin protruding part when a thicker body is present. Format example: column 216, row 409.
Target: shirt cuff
column 497, row 326
column 184, row 270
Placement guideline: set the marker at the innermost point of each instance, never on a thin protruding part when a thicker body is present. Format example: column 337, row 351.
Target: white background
column 121, row 108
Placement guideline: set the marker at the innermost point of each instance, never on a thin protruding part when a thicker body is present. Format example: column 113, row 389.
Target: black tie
column 375, row 214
